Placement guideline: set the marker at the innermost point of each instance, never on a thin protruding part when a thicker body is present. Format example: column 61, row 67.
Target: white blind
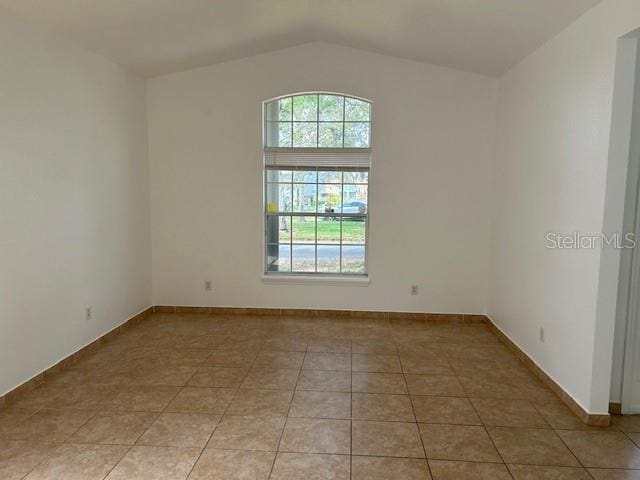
column 342, row 158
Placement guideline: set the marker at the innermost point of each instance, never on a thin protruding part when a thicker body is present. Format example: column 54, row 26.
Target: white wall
column 433, row 140
column 74, row 222
column 553, row 173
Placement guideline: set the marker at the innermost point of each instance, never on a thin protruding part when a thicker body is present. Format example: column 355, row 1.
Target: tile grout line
column 351, row 414
column 413, row 409
column 486, row 431
column 555, row 431
column 65, row 441
column 85, row 423
column 484, row 426
column 221, row 417
column 58, row 446
column 180, row 389
column 275, row 457
column 535, row 407
column 154, row 420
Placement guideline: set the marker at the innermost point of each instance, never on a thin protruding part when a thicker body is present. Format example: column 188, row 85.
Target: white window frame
column 334, row 278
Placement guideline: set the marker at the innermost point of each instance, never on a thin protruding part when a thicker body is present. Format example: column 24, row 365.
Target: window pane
column 305, row 108
column 279, row 258
column 278, row 197
column 329, row 230
column 304, row 229
column 284, row 110
column 356, row 177
column 331, row 108
column 356, row 110
column 354, row 198
column 278, row 229
column 279, row 110
column 353, row 230
column 305, row 134
column 331, row 243
column 284, row 134
column 330, row 135
column 329, row 198
column 278, row 134
column 304, row 258
column 305, row 176
column 271, row 114
column 274, row 175
column 330, row 177
column 353, row 259
column 328, row 259
column 356, row 135
column 304, row 197
column 271, row 134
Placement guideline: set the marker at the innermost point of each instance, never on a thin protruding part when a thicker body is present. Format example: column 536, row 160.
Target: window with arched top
column 317, row 156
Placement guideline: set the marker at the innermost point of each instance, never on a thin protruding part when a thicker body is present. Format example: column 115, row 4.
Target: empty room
column 319, row 240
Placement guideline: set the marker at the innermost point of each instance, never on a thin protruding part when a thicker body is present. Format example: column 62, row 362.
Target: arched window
column 317, row 155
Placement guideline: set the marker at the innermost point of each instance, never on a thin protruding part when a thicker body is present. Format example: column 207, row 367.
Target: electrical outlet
column 542, row 334
column 208, row 285
column 414, row 289
column 88, row 313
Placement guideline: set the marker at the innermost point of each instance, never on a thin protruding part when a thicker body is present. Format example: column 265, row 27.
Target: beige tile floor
column 239, row 397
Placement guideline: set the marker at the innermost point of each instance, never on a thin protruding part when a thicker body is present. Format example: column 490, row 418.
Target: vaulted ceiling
column 153, row 37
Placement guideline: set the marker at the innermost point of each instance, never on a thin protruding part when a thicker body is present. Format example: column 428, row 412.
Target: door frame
column 628, row 302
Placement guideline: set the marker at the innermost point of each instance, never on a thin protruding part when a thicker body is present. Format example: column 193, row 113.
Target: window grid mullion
column 320, row 215
column 316, row 244
column 317, row 204
column 344, row 114
column 341, row 212
column 291, row 130
column 265, row 216
column 291, row 217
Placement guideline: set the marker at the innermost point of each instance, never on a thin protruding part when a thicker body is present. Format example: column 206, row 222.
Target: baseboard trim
column 12, row 395
column 305, row 312
column 598, row 420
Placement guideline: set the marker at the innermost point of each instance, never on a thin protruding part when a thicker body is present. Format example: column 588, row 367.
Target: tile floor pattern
column 239, row 397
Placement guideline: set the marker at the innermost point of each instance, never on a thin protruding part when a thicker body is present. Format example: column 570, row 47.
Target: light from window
column 317, row 158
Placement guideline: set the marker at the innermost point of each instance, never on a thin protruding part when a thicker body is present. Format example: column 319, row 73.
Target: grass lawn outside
column 304, row 230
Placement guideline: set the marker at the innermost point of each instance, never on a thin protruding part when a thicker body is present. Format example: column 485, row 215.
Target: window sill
column 356, row 280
